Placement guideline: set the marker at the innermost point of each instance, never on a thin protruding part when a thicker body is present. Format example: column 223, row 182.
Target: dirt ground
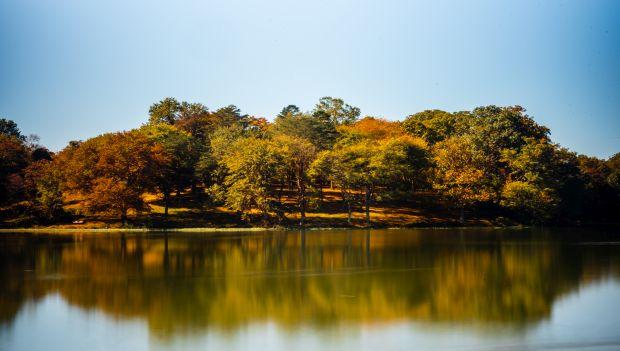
column 187, row 211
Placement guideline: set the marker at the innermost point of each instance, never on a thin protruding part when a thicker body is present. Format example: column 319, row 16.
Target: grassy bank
column 190, row 213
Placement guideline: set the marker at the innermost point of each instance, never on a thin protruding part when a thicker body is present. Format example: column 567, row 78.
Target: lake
column 423, row 289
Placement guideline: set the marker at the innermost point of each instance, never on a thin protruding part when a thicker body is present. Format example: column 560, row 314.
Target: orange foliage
column 374, row 128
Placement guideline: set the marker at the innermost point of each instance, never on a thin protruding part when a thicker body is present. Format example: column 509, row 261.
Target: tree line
column 492, row 159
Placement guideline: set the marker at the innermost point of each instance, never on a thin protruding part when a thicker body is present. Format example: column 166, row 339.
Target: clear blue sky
column 74, row 69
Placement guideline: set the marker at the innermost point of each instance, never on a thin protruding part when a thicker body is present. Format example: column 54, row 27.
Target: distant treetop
column 9, row 128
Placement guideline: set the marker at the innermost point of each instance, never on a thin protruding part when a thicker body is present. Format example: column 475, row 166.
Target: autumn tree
column 14, row 157
column 531, row 187
column 338, row 167
column 9, row 128
column 336, row 110
column 289, row 110
column 165, row 111
column 43, row 187
column 462, row 173
column 494, row 156
column 219, row 144
column 320, row 132
column 297, row 155
column 248, row 166
column 601, row 196
column 41, row 153
column 402, row 164
column 613, row 179
column 437, row 125
column 405, row 154
column 195, row 119
column 371, row 165
column 505, row 127
column 228, row 116
column 178, row 154
column 113, row 171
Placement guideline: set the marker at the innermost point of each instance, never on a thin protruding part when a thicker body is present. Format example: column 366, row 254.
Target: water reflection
column 192, row 282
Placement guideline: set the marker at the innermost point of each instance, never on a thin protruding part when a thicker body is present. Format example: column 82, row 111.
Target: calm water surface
column 319, row 290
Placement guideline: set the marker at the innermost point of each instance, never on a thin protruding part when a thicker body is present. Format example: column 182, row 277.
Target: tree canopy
column 492, row 159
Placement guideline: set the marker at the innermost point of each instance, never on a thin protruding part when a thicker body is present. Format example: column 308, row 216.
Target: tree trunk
column 301, row 187
column 302, row 206
column 265, row 218
column 302, row 210
column 462, row 215
column 349, row 212
column 124, row 217
column 166, row 203
column 290, row 183
column 367, row 203
column 280, row 192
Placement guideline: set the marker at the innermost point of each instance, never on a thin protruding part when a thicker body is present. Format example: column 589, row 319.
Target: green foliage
column 495, row 157
column 500, row 128
column 189, row 110
column 436, row 125
column 321, row 132
column 43, row 184
column 568, row 181
column 223, row 139
column 462, row 171
column 290, row 110
column 176, row 161
column 613, row 179
column 336, row 110
column 165, row 111
column 370, row 164
column 530, row 202
column 14, row 157
column 532, row 163
column 401, row 163
column 499, row 156
column 41, row 153
column 614, row 162
column 297, row 154
column 249, row 164
column 194, row 118
column 347, row 165
column 229, row 116
column 9, row 128
column 531, row 190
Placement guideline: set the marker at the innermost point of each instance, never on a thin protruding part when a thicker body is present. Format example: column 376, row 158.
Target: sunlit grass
column 188, row 211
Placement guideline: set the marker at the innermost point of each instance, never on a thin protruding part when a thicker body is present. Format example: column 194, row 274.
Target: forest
column 324, row 167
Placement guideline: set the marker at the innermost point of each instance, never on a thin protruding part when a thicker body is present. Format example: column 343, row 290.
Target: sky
column 73, row 69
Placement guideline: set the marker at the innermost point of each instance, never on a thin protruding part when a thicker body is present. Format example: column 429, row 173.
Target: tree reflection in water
column 192, row 281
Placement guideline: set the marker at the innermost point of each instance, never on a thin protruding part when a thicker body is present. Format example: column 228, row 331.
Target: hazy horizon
column 72, row 70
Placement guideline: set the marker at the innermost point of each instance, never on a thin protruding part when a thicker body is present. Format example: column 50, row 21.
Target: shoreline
column 284, row 228
column 232, row 230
